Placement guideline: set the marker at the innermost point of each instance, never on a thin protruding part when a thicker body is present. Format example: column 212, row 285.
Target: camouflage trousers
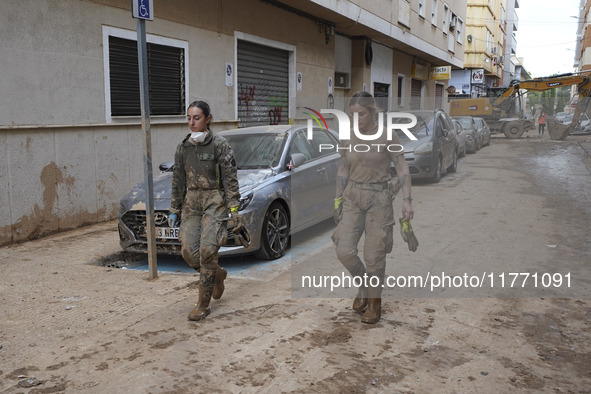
column 367, row 208
column 203, row 228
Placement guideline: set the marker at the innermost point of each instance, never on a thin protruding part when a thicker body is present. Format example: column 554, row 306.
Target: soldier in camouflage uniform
column 204, row 188
column 364, row 204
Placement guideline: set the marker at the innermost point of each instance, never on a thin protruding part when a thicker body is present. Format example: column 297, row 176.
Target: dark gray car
column 287, row 184
column 435, row 150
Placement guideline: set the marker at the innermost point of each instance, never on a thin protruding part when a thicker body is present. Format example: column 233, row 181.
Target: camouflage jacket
column 206, row 166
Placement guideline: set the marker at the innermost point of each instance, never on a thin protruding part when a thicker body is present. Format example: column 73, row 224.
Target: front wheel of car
column 437, row 174
column 275, row 233
column 454, row 165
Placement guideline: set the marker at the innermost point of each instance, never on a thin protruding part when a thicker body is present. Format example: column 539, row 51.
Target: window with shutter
column 166, row 76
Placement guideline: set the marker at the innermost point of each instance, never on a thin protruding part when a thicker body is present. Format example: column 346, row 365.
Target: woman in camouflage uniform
column 204, row 188
column 364, row 204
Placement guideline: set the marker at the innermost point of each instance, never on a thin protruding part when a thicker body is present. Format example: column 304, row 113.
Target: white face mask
column 198, row 136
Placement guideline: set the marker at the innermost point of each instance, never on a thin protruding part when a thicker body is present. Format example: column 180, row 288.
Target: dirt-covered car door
column 311, row 198
column 444, row 134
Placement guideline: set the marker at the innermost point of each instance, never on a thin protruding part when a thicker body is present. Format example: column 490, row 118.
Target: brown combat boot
column 218, row 285
column 360, row 302
column 373, row 312
column 202, row 309
column 206, row 280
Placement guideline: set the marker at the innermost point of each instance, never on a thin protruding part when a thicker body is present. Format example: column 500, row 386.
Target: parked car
column 484, row 131
column 584, row 122
column 469, row 127
column 287, row 184
column 461, row 137
column 435, row 150
column 560, row 116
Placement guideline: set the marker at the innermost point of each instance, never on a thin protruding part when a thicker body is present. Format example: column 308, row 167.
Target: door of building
column 381, row 92
column 416, row 89
column 438, row 96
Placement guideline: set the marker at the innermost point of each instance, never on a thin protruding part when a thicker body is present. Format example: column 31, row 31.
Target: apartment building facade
column 582, row 61
column 489, row 48
column 71, row 141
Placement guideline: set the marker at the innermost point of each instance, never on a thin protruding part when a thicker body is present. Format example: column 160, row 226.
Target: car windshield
column 253, row 151
column 422, row 129
column 465, row 122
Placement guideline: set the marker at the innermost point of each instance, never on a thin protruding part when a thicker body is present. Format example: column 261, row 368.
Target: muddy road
column 514, row 211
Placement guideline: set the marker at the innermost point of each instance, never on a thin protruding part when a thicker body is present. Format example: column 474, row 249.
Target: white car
column 560, row 116
column 584, row 122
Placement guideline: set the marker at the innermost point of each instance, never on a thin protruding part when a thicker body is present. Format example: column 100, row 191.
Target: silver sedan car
column 484, row 130
column 287, row 184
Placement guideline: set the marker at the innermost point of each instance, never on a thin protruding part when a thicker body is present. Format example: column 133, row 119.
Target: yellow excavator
column 502, row 113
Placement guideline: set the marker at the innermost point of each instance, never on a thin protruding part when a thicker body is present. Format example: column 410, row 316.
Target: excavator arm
column 556, row 130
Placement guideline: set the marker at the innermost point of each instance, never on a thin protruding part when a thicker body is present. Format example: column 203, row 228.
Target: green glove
column 338, row 209
column 408, row 234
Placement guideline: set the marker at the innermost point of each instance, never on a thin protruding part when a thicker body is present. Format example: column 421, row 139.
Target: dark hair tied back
column 365, row 99
column 204, row 108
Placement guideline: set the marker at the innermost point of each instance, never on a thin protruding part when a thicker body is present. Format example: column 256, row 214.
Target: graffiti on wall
column 264, row 110
column 246, row 96
column 275, row 115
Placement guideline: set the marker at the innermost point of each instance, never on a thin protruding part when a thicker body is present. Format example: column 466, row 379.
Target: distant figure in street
column 541, row 124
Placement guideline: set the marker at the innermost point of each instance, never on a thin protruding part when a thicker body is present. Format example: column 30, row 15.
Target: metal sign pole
column 142, row 50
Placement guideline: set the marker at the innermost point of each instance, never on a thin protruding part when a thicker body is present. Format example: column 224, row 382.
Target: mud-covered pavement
column 71, row 325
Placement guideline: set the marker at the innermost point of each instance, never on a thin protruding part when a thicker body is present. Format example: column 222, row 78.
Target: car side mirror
column 296, row 160
column 167, row 166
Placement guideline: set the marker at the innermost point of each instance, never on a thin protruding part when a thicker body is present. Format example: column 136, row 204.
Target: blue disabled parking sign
column 143, row 9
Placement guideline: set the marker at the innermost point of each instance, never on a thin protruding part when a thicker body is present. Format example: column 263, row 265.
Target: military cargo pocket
column 222, row 232
column 393, row 187
column 388, row 229
column 335, row 236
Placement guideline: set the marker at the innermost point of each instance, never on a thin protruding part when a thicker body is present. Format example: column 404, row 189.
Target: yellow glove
column 408, row 234
column 236, row 219
column 338, row 209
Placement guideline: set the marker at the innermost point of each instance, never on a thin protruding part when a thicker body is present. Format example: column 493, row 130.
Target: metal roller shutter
column 415, row 94
column 263, row 85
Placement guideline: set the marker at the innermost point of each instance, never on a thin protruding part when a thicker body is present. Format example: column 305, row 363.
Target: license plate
column 167, row 232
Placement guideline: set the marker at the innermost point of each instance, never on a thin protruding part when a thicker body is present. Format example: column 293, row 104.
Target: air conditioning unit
column 501, row 59
column 341, row 80
column 453, row 22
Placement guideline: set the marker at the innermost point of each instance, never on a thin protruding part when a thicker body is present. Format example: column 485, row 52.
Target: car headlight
column 245, row 199
column 424, row 148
